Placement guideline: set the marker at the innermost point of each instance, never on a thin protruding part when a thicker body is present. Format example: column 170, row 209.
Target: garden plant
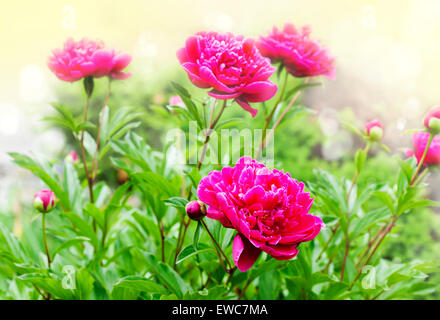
column 209, row 211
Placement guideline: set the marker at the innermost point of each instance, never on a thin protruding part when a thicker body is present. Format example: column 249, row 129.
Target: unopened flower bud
column 196, row 210
column 122, row 176
column 176, row 101
column 374, row 130
column 432, row 120
column 44, row 201
column 72, row 157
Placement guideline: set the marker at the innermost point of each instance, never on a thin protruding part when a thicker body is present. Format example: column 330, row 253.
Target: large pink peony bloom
column 230, row 65
column 301, row 56
column 79, row 59
column 268, row 208
column 420, row 140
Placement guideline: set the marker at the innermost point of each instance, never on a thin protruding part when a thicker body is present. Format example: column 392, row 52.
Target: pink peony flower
column 44, row 201
column 301, row 56
column 420, row 140
column 230, row 65
column 176, row 101
column 80, row 59
column 268, row 208
column 432, row 119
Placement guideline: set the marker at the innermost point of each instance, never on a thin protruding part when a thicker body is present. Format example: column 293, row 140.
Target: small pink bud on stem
column 44, row 201
column 196, row 210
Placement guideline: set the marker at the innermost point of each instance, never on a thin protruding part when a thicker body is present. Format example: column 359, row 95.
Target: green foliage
column 134, row 240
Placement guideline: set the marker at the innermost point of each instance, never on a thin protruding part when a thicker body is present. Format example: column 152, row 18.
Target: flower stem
column 46, row 247
column 98, row 137
column 275, row 105
column 425, row 153
column 347, row 199
column 242, row 292
column 375, row 246
column 328, row 241
column 219, row 249
column 83, row 152
column 277, row 123
column 356, row 174
column 211, row 126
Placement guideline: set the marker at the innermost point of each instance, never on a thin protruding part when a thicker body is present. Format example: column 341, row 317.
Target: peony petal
column 192, row 48
column 259, row 91
column 244, row 253
column 242, row 103
column 222, row 96
column 121, row 61
column 182, row 56
column 208, row 76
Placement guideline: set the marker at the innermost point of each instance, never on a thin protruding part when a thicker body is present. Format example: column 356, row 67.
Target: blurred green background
column 387, row 68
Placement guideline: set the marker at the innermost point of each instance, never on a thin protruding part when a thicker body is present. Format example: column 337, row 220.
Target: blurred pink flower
column 44, row 201
column 72, row 157
column 302, row 56
column 268, row 208
column 370, row 125
column 420, row 140
column 433, row 113
column 176, row 101
column 79, row 59
column 231, row 65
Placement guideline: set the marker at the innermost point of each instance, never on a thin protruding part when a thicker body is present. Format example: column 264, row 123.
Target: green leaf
column 190, row 251
column 140, row 284
column 83, row 227
column 69, row 243
column 186, row 98
column 177, row 202
column 352, row 128
column 45, row 172
column 370, row 219
column 197, row 235
column 168, row 276
column 301, row 87
column 89, row 144
column 360, row 158
column 54, row 287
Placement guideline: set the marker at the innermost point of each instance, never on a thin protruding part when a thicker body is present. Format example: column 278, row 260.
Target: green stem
column 375, row 246
column 98, row 137
column 275, row 105
column 347, row 234
column 277, row 123
column 83, row 152
column 242, row 292
column 46, row 247
column 221, row 252
column 328, row 241
column 211, row 126
column 356, row 174
column 419, row 166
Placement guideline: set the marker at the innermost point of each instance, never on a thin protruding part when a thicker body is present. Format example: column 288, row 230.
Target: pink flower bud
column 432, row 119
column 374, row 130
column 195, row 209
column 72, row 157
column 176, row 101
column 44, row 201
